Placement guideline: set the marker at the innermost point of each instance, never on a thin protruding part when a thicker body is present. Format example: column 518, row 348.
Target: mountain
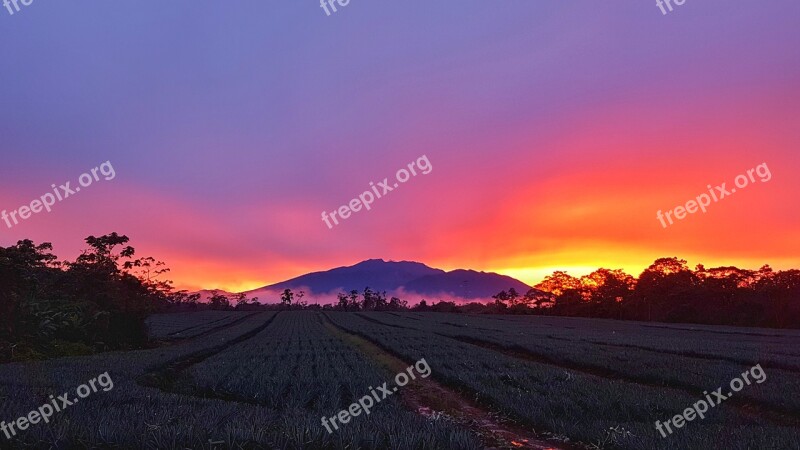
column 467, row 284
column 375, row 273
column 206, row 294
column 408, row 276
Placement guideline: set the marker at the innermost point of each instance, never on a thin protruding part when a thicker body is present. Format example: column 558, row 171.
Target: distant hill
column 206, row 294
column 467, row 284
column 409, row 276
column 375, row 273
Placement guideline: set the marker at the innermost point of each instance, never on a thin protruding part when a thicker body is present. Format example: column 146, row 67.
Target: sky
column 554, row 131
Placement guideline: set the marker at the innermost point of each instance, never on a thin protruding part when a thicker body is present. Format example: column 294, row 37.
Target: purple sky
column 232, row 125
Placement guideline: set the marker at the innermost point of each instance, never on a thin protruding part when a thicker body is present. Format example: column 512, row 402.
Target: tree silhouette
column 287, row 297
column 668, row 291
column 218, row 301
column 97, row 302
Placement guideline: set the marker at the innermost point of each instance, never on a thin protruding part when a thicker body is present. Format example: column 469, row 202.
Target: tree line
column 97, row 302
column 668, row 291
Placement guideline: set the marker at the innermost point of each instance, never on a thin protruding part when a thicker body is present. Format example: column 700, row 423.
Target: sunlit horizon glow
column 556, row 132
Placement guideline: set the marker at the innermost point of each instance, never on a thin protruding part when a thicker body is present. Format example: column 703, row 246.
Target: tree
column 369, row 302
column 558, row 283
column 287, row 297
column 513, row 297
column 218, row 301
column 606, row 290
column 240, row 300
column 782, row 293
column 539, row 299
column 500, row 300
column 443, row 306
column 342, row 297
column 182, row 297
column 25, row 270
column 666, row 291
column 353, row 303
column 421, row 306
column 97, row 302
column 562, row 293
column 380, row 301
column 395, row 304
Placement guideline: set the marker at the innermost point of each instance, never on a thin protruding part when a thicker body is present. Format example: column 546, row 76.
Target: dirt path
column 435, row 401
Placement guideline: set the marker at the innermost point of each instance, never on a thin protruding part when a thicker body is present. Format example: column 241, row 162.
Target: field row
column 634, row 352
column 190, row 324
column 298, row 369
column 606, row 412
column 283, row 380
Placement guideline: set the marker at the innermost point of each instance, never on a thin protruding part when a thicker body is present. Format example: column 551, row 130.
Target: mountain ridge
column 410, row 277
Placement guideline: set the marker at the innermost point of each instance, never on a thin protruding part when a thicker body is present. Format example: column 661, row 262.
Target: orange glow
column 579, row 199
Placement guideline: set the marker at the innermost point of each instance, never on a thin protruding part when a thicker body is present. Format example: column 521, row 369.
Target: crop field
column 266, row 379
column 638, row 353
column 190, row 324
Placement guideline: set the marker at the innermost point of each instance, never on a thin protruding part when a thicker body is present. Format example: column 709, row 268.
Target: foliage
column 668, row 291
column 99, row 301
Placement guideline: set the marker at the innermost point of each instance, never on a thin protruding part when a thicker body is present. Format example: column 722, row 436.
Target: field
column 266, row 379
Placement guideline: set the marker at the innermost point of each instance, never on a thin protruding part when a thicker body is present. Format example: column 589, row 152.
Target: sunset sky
column 556, row 131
